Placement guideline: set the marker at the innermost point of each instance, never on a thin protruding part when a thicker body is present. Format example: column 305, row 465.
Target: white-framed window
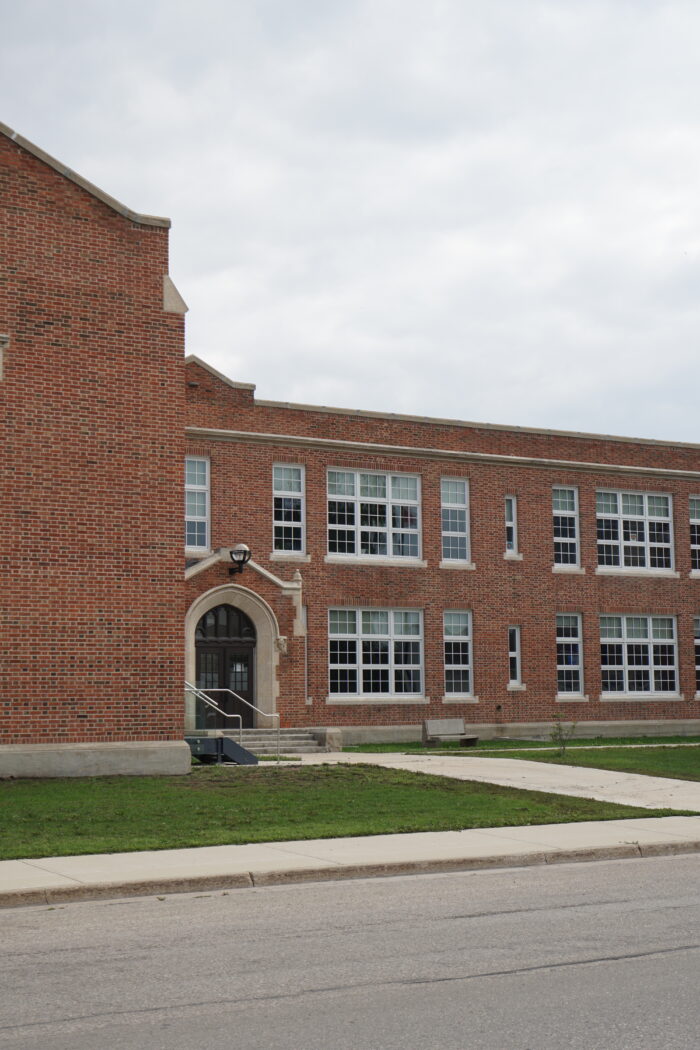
column 454, row 499
column 514, row 667
column 696, row 625
column 565, row 524
column 511, row 514
column 196, row 503
column 288, row 508
column 457, row 643
column 634, row 530
column 375, row 652
column 695, row 533
column 569, row 661
column 638, row 655
column 373, row 514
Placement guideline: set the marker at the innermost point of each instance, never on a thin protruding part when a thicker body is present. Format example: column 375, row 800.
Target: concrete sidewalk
column 53, row 880
column 627, row 789
column 56, row 880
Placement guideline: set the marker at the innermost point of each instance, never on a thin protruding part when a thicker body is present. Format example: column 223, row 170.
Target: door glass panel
column 238, row 675
column 208, row 677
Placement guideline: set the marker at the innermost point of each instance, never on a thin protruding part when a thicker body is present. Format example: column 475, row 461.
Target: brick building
column 91, row 403
column 402, row 568
column 406, row 568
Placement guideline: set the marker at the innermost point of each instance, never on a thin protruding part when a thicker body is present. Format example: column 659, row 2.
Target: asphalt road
column 599, row 956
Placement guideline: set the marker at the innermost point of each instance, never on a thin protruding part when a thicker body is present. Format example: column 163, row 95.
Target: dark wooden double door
column 225, row 646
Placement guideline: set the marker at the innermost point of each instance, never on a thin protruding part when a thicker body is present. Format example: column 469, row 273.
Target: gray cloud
column 480, row 210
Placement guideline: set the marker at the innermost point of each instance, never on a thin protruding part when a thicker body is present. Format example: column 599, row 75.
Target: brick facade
column 243, row 439
column 98, row 411
column 91, row 403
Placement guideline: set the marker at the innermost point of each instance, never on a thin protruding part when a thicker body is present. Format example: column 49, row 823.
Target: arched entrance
column 225, row 640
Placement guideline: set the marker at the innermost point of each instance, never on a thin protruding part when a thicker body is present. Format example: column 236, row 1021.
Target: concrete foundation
column 139, row 758
column 513, row 731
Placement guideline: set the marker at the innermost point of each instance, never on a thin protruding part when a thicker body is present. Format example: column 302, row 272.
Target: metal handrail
column 200, row 694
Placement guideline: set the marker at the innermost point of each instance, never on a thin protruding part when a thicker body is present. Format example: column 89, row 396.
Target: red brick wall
column 91, row 421
column 499, row 593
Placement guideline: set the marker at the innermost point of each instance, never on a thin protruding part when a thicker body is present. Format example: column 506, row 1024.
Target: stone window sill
column 569, row 570
column 512, row 556
column 449, row 564
column 622, row 570
column 292, row 556
column 577, row 698
column 651, row 698
column 516, row 687
column 460, row 698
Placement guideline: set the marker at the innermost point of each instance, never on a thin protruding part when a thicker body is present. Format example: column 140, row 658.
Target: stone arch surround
column 267, row 648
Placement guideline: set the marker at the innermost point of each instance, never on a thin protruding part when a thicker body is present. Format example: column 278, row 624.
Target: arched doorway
column 225, row 641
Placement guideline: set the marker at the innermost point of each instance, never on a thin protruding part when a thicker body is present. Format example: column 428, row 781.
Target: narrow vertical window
column 511, row 525
column 697, row 655
column 514, row 670
column 565, row 523
column 457, row 643
column 455, row 520
column 288, row 508
column 569, row 663
column 196, row 503
column 695, row 533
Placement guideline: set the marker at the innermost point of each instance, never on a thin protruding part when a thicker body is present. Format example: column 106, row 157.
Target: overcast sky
column 480, row 209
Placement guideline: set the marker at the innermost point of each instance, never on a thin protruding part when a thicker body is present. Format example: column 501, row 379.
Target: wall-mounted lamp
column 240, row 556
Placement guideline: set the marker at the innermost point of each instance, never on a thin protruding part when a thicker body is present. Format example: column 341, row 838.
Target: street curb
column 249, row 880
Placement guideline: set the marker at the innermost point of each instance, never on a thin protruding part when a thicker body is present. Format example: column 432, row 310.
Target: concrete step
column 264, row 741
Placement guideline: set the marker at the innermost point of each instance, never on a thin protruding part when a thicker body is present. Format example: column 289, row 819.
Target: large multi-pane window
column 457, row 642
column 569, row 663
column 634, row 530
column 638, row 654
column 695, row 533
column 454, row 495
column 511, row 525
column 373, row 514
column 375, row 652
column 288, row 508
column 565, row 523
column 196, row 503
column 697, row 654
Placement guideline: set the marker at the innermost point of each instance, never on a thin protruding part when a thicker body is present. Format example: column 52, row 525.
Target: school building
column 401, row 568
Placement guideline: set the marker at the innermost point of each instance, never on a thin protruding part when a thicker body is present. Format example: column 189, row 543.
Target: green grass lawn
column 679, row 763
column 515, row 745
column 215, row 805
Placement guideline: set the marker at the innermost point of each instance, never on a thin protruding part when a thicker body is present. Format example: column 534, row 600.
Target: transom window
column 373, row 514
column 638, row 654
column 695, row 533
column 634, row 530
column 196, row 503
column 457, row 643
column 454, row 496
column 569, row 669
column 288, row 508
column 565, row 523
column 375, row 652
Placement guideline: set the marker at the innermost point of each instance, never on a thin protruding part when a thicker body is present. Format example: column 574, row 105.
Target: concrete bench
column 437, row 730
